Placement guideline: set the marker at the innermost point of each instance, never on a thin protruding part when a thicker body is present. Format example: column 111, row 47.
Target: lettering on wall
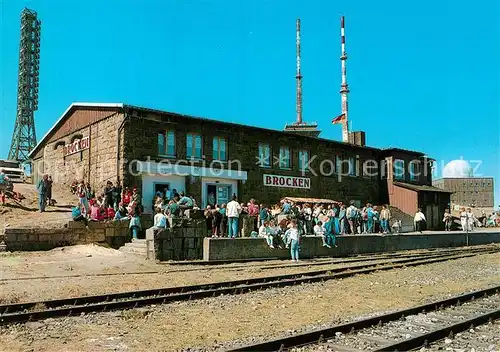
column 77, row 146
column 287, row 181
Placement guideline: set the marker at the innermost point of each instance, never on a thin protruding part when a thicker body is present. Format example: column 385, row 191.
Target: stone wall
column 183, row 240
column 311, row 247
column 114, row 234
column 97, row 164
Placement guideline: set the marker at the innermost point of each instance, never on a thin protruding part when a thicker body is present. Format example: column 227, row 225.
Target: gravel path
column 222, row 322
column 75, row 272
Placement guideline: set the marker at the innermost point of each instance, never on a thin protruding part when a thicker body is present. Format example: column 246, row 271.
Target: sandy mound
column 86, row 250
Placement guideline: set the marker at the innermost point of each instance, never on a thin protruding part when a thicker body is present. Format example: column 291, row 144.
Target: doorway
column 218, row 194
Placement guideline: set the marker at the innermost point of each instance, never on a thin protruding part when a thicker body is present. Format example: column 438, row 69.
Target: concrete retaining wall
column 183, row 240
column 248, row 248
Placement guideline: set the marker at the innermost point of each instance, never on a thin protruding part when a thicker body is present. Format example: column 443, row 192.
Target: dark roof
column 420, row 188
column 135, row 107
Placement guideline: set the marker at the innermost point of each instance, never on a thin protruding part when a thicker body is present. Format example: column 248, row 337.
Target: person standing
column 223, row 220
column 49, row 190
column 351, row 214
column 233, row 211
column 447, row 219
column 42, row 193
column 292, row 235
column 81, row 191
column 108, row 194
column 342, row 219
column 3, row 185
column 385, row 218
column 463, row 219
column 135, row 224
column 419, row 220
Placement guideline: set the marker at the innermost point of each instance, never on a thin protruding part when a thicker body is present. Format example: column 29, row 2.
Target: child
column 135, row 224
column 265, row 232
column 320, row 231
column 292, row 235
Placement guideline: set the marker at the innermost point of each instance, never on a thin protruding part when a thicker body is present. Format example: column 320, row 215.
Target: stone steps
column 137, row 247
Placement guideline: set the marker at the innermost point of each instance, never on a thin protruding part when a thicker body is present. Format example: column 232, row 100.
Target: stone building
column 212, row 160
column 469, row 191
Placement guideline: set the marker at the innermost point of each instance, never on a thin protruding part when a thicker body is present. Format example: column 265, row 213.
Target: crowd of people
column 114, row 203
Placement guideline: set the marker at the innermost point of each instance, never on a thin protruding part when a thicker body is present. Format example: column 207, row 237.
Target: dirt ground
column 90, row 269
column 215, row 322
column 16, row 213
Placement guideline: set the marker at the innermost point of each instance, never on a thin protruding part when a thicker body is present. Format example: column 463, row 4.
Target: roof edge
column 63, row 116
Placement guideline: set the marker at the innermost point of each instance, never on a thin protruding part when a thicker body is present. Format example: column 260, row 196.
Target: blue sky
column 423, row 75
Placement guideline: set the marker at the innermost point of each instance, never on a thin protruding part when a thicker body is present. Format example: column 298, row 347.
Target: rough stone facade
column 97, row 164
column 114, row 234
column 115, row 151
column 183, row 240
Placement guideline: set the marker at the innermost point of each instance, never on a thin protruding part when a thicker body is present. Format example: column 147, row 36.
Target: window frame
column 192, row 148
column 397, row 176
column 301, row 153
column 289, row 165
column 261, row 161
column 414, row 169
column 165, row 135
column 218, row 151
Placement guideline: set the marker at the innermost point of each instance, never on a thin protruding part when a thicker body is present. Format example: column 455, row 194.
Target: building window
column 193, row 146
column 264, row 155
column 338, row 164
column 219, row 149
column 351, row 165
column 166, row 143
column 414, row 170
column 303, row 160
column 399, row 169
column 285, row 162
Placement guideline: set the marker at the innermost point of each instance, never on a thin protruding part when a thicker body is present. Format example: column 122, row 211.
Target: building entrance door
column 218, row 194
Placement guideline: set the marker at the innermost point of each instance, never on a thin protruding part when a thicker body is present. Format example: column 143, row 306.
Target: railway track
column 31, row 311
column 224, row 265
column 403, row 330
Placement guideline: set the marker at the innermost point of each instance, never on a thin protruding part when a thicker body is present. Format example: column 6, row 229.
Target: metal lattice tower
column 24, row 137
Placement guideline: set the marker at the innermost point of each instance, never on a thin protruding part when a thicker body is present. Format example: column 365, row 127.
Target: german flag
column 339, row 119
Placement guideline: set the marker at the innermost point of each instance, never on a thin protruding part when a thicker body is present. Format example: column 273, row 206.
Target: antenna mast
column 344, row 88
column 298, row 77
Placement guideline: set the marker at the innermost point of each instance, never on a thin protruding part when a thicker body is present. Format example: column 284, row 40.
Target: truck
column 13, row 169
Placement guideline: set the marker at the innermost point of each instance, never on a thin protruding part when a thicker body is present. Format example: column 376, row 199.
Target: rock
column 448, row 341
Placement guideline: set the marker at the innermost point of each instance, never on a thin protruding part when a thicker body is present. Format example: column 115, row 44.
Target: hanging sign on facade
column 287, row 181
column 77, row 146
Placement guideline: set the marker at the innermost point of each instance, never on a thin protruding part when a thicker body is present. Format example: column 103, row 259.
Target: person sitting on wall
column 185, row 203
column 76, row 215
column 264, row 232
column 126, row 196
column 97, row 212
column 329, row 228
column 110, row 213
column 122, row 213
column 173, row 208
column 320, row 232
column 160, row 220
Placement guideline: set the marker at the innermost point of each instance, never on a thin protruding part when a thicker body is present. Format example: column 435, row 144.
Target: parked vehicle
column 13, row 169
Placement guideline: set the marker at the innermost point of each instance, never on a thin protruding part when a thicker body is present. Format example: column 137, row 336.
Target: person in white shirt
column 160, row 220
column 265, row 232
column 320, row 232
column 233, row 210
column 471, row 219
column 292, row 235
column 419, row 220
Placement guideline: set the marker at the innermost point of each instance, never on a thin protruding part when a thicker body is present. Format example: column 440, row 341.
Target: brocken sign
column 287, row 181
column 77, row 146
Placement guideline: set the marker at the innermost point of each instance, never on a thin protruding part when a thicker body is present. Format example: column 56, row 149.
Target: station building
column 212, row 160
